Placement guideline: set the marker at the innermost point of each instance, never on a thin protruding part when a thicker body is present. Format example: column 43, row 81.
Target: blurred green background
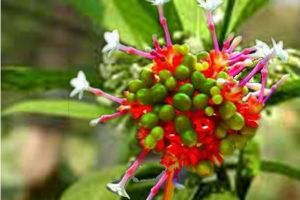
column 47, row 144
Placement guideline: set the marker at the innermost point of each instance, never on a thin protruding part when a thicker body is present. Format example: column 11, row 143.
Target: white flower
column 80, row 84
column 280, row 52
column 118, row 189
column 158, row 2
column 210, row 5
column 262, row 49
column 113, row 42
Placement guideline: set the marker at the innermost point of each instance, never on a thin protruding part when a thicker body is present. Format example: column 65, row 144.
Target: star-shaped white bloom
column 280, row 52
column 210, row 5
column 80, row 84
column 113, row 42
column 158, row 2
column 262, row 49
column 118, row 189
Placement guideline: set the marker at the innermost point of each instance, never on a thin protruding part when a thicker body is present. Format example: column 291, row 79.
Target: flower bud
column 182, row 123
column 204, row 168
column 215, row 90
column 200, row 101
column 223, row 75
column 130, row 96
column 167, row 113
column 202, row 55
column 149, row 120
column 236, row 122
column 182, row 72
column 182, row 49
column 227, row 110
column 189, row 60
column 207, row 85
column 209, row 111
column 187, row 89
column 147, row 77
column 189, row 137
column 182, row 102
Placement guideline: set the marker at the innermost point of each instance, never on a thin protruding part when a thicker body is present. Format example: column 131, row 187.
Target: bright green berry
column 207, row 85
column 215, row 90
column 182, row 102
column 149, row 120
column 159, row 92
column 189, row 137
column 227, row 110
column 217, row 99
column 150, row 142
column 144, row 96
column 147, row 77
column 182, row 72
column 226, row 147
column 130, row 97
column 209, row 111
column 204, row 168
column 171, row 83
column 182, row 123
column 223, row 75
column 187, row 88
column 135, row 85
column 200, row 101
column 157, row 133
column 167, row 113
column 197, row 79
column 164, row 75
column 202, row 55
column 189, row 60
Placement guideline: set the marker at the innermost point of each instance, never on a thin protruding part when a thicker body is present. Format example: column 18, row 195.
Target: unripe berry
column 159, row 92
column 182, row 102
column 217, row 99
column 182, row 49
column 144, row 96
column 221, row 130
column 226, row 147
column 215, row 90
column 202, row 55
column 167, row 113
column 164, row 75
column 149, row 142
column 182, row 72
column 157, row 133
column 197, row 79
column 207, row 85
column 189, row 137
column 149, row 120
column 200, row 101
column 189, row 61
column 187, row 89
column 135, row 85
column 171, row 83
column 130, row 97
column 204, row 168
column 209, row 111
column 147, row 77
column 227, row 110
column 236, row 122
column 182, row 123
column 223, row 75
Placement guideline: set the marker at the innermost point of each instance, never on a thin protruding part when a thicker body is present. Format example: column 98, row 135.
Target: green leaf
column 242, row 10
column 62, row 108
column 93, row 186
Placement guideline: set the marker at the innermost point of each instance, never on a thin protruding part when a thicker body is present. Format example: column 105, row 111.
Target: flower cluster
column 191, row 109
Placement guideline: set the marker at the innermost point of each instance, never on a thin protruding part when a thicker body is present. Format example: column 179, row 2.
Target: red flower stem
column 99, row 92
column 154, row 190
column 132, row 169
column 169, row 188
column 105, row 118
column 163, row 23
column 131, row 50
column 212, row 30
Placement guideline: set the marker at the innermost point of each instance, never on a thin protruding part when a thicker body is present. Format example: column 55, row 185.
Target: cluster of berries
column 192, row 109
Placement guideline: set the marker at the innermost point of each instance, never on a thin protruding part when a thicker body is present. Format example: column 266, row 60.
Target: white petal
column 94, row 122
column 74, row 92
column 117, row 188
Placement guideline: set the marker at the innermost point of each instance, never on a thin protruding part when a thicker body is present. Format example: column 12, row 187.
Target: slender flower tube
column 154, row 190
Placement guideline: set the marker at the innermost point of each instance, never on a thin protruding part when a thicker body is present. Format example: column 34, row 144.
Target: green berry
column 189, row 60
column 144, row 96
column 147, row 77
column 207, row 85
column 221, row 131
column 150, row 142
column 215, row 90
column 135, row 85
column 226, row 147
column 197, row 79
column 223, row 75
column 245, row 90
column 227, row 110
column 182, row 102
column 209, row 111
column 236, row 122
column 156, row 108
column 149, row 120
column 130, row 97
column 200, row 101
column 164, row 75
column 171, row 83
column 157, row 133
column 217, row 99
column 159, row 92
column 189, row 137
column 204, row 168
column 182, row 123
column 202, row 55
column 182, row 72
column 182, row 49
column 167, row 113
column 187, row 88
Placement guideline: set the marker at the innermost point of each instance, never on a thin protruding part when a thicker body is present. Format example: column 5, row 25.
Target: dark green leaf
column 62, row 108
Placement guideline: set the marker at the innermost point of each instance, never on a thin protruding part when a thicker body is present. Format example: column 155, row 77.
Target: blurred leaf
column 242, row 10
column 280, row 168
column 93, row 186
column 63, row 108
column 28, row 79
